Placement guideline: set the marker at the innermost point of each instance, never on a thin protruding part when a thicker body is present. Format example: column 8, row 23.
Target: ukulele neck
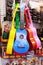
column 29, row 16
column 14, row 13
column 17, row 19
column 22, row 16
column 26, row 18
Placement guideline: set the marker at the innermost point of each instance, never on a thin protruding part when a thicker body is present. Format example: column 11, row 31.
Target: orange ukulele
column 30, row 36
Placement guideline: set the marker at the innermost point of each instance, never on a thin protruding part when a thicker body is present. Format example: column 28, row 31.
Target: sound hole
column 21, row 36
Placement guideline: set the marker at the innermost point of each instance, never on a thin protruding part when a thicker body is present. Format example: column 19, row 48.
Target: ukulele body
column 38, row 42
column 21, row 45
column 30, row 36
column 31, row 39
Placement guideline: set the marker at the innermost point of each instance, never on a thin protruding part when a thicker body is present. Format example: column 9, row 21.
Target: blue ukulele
column 21, row 45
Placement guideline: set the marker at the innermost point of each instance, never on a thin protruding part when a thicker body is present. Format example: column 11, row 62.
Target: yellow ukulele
column 12, row 34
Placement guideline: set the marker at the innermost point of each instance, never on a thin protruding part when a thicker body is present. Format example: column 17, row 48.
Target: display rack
column 6, row 56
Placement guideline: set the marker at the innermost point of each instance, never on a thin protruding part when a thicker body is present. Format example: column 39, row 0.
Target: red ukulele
column 34, row 31
column 30, row 36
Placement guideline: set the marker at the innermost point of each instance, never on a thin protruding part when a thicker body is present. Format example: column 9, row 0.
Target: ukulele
column 30, row 36
column 21, row 45
column 12, row 34
column 38, row 42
